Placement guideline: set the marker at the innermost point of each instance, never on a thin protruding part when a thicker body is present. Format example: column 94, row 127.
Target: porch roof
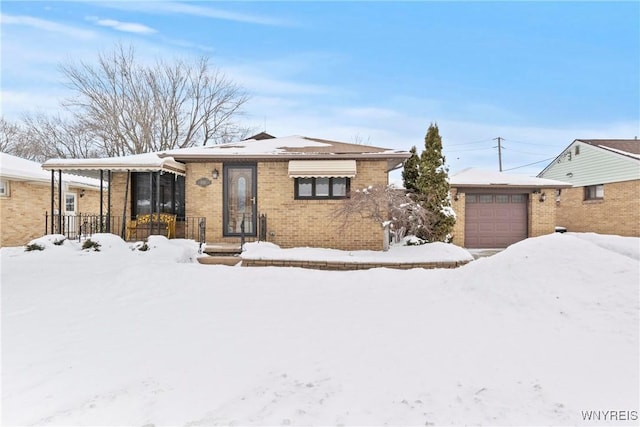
column 149, row 162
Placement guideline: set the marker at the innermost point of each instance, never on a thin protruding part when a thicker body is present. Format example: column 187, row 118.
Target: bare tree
column 9, row 135
column 53, row 136
column 134, row 108
column 387, row 205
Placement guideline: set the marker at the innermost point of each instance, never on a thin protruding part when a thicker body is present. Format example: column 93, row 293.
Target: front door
column 239, row 204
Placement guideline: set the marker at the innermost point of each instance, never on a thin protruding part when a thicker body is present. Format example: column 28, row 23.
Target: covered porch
column 140, row 195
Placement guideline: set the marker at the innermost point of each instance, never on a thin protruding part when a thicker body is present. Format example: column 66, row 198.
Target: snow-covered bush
column 33, row 247
column 90, row 244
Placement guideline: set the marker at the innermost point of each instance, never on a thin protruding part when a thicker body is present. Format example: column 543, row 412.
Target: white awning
column 322, row 168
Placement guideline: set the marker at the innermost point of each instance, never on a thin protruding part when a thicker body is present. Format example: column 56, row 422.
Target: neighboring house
column 605, row 193
column 497, row 209
column 25, row 199
column 284, row 190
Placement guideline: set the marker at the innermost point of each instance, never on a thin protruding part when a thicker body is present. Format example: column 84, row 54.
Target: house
column 605, row 186
column 25, row 194
column 284, row 190
column 497, row 209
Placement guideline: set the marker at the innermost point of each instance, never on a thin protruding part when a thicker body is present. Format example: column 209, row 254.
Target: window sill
column 593, row 201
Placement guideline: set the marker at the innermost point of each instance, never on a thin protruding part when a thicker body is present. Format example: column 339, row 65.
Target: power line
column 523, row 152
column 529, row 164
column 470, row 143
column 530, row 143
column 468, row 149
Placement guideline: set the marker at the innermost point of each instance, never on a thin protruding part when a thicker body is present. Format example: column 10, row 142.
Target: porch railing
column 82, row 226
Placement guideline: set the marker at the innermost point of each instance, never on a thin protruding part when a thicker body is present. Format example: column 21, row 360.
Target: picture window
column 322, row 188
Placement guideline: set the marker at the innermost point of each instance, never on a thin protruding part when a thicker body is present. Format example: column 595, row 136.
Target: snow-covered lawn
column 538, row 334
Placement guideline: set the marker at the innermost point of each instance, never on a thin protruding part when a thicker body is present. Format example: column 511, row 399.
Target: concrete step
column 222, row 249
column 219, row 260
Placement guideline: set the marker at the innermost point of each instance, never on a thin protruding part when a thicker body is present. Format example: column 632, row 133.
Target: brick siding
column 618, row 213
column 290, row 222
column 22, row 212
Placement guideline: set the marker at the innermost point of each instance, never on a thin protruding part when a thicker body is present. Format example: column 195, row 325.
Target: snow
column 22, row 169
column 477, row 177
column 533, row 335
column 397, row 253
column 274, row 146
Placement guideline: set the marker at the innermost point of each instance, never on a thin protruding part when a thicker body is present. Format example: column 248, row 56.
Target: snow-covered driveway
column 541, row 333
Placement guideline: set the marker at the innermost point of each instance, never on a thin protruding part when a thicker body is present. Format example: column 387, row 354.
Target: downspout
column 124, row 206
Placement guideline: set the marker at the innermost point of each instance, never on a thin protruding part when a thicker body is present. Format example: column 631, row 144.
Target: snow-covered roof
column 294, row 146
column 137, row 162
column 290, row 147
column 475, row 177
column 18, row 169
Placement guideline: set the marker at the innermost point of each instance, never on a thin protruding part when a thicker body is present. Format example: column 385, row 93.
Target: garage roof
column 475, row 177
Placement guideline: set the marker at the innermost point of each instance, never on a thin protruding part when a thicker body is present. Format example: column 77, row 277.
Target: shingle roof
column 629, row 147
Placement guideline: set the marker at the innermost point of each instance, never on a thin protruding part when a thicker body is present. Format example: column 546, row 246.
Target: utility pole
column 499, row 151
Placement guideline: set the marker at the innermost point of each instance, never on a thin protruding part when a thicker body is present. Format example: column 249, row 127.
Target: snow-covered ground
column 543, row 333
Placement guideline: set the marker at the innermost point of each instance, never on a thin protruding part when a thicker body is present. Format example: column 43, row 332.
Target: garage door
column 495, row 220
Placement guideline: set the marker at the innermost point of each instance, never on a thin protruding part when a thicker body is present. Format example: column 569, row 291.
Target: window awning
column 322, row 168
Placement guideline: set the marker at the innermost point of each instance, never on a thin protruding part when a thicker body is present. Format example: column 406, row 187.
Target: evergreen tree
column 430, row 185
column 410, row 172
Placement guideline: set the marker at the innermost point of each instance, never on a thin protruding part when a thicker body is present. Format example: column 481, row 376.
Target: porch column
column 60, row 201
column 109, row 202
column 101, row 194
column 53, row 192
column 158, row 202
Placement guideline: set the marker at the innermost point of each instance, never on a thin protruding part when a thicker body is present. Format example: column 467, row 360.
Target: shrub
column 59, row 242
column 90, row 244
column 34, row 247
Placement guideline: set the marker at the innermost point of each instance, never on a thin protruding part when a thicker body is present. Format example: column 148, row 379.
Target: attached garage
column 495, row 220
column 495, row 209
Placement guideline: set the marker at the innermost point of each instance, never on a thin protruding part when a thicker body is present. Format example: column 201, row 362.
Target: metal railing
column 82, row 226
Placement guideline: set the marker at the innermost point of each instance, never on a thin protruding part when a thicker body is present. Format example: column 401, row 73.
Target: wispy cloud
column 44, row 25
column 127, row 27
column 195, row 10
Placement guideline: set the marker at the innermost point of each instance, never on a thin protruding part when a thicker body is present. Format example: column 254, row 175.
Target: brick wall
column 542, row 215
column 458, row 208
column 618, row 213
column 290, row 222
column 22, row 212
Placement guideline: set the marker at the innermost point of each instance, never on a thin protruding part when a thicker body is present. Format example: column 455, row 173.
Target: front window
column 70, row 202
column 594, row 192
column 4, row 187
column 322, row 188
column 145, row 193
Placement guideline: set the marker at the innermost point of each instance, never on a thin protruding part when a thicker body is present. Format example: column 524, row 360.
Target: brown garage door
column 495, row 220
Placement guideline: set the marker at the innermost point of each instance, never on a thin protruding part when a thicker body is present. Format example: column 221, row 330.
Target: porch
column 82, row 226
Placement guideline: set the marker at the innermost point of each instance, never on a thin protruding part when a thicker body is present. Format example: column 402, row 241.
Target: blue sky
column 538, row 74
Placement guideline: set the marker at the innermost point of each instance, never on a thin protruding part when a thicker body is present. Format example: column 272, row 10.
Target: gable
column 584, row 164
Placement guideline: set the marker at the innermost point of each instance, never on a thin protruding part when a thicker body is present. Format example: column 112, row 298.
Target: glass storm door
column 239, row 209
